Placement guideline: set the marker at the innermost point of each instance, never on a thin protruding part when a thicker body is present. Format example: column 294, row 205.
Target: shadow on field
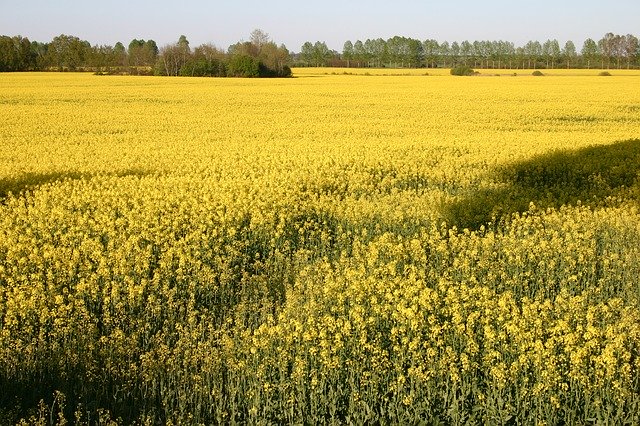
column 562, row 177
column 29, row 181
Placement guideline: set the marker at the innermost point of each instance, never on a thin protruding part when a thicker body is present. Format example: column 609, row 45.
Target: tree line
column 611, row 51
column 261, row 57
column 258, row 57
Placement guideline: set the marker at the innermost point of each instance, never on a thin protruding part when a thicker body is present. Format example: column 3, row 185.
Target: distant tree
column 466, row 50
column 259, row 38
column 618, row 50
column 26, row 57
column 570, row 53
column 150, row 52
column 307, row 53
column 209, row 52
column 100, row 58
column 415, row 52
column 16, row 54
column 243, row 48
column 173, row 57
column 607, row 48
column 8, row 55
column 321, row 53
column 119, row 54
column 487, row 50
column 380, row 51
column 431, row 51
column 359, row 53
column 370, row 50
column 275, row 60
column 169, row 60
column 40, row 54
column 206, row 61
column 183, row 48
column 243, row 66
column 590, row 51
column 135, row 52
column 520, row 57
column 143, row 53
column 445, row 52
column 479, row 52
column 395, row 53
column 505, row 53
column 272, row 60
column 551, row 52
column 347, row 52
column 183, row 43
column 455, row 52
column 532, row 51
column 285, row 61
column 68, row 52
column 631, row 48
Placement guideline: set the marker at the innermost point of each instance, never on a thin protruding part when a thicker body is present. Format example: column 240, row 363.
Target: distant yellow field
column 311, row 71
column 325, row 248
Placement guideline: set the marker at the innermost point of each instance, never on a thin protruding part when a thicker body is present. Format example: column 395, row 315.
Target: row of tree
column 259, row 57
column 611, row 51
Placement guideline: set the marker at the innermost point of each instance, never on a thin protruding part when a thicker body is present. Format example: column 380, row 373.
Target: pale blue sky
column 334, row 21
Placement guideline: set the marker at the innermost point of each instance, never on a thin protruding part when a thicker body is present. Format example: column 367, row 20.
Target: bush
column 285, row 72
column 248, row 66
column 203, row 68
column 537, row 73
column 462, row 71
column 243, row 66
column 605, row 74
column 266, row 71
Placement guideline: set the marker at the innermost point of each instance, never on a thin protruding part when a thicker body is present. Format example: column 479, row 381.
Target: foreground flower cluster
column 332, row 249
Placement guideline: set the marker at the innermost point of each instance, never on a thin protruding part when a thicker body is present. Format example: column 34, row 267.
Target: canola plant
column 325, row 249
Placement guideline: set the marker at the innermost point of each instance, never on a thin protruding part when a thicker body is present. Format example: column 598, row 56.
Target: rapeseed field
column 325, row 249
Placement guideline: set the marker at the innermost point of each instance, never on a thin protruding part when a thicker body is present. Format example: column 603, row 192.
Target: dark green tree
column 533, row 52
column 569, row 53
column 321, row 53
column 590, row 51
column 119, row 55
column 631, row 49
column 606, row 45
column 431, row 52
column 275, row 59
column 551, row 52
column 347, row 52
column 307, row 53
column 135, row 53
column 455, row 52
column 68, row 52
column 150, row 52
column 8, row 56
column 243, row 66
column 359, row 53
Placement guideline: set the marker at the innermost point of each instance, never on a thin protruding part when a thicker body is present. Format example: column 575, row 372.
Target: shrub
column 537, row 73
column 243, row 66
column 265, row 71
column 248, row 66
column 462, row 71
column 605, row 74
column 202, row 67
